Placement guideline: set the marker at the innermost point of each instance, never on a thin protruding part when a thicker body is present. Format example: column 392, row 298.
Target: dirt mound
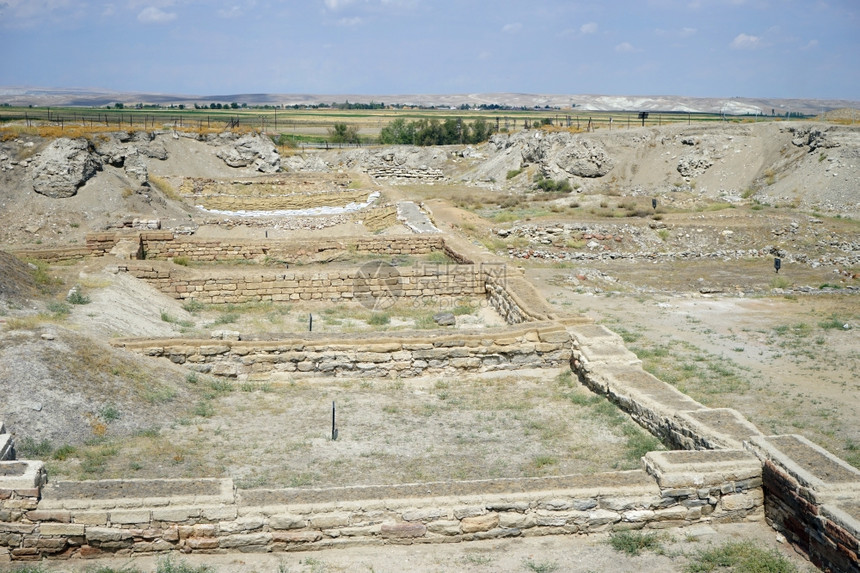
column 16, row 279
column 62, row 388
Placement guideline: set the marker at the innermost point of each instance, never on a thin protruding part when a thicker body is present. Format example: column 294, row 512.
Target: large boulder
column 63, row 167
column 251, row 150
column 564, row 154
column 583, row 158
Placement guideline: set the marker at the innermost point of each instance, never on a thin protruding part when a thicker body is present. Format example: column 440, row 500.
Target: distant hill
column 89, row 97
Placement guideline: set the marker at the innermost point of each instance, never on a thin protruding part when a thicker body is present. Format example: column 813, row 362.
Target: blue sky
column 716, row 48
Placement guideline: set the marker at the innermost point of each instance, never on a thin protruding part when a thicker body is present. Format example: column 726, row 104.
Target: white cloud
column 153, row 15
column 810, row 45
column 589, row 28
column 746, row 42
column 687, row 32
column 337, row 4
column 485, row 55
column 354, row 21
column 625, row 48
column 236, row 10
column 512, row 28
column 27, row 11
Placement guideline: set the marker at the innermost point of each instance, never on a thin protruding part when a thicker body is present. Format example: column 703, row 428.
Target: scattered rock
column 445, row 318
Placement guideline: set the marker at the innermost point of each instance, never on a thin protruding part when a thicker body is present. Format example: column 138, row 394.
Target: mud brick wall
column 125, row 517
column 813, row 498
column 406, row 354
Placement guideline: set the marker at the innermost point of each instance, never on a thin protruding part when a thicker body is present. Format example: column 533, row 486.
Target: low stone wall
column 605, row 366
column 165, row 245
column 53, row 255
column 811, row 496
column 125, row 517
column 539, row 345
column 366, row 283
column 162, row 245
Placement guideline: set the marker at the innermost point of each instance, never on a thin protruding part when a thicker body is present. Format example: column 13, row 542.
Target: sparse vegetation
column 552, row 185
column 740, row 557
column 164, row 186
column 635, row 542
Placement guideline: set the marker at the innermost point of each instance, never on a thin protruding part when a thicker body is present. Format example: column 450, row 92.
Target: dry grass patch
column 390, row 431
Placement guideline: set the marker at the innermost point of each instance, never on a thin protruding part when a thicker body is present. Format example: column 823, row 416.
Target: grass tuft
column 635, row 542
column 740, row 557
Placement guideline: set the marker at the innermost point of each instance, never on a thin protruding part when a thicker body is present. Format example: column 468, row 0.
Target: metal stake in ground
column 310, row 322
column 333, row 422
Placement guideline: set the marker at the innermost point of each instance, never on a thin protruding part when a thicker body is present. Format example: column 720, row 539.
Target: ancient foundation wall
column 359, row 284
column 811, row 496
column 125, row 517
column 161, row 245
column 403, row 354
column 165, row 245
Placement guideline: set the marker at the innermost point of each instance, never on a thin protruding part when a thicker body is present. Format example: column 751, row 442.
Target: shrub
column 513, row 173
column 227, row 318
column 109, row 413
column 833, row 322
column 182, row 261
column 379, row 319
column 75, row 297
column 742, row 557
column 30, row 448
column 193, row 306
column 169, row 565
column 634, row 542
column 553, row 186
column 59, row 309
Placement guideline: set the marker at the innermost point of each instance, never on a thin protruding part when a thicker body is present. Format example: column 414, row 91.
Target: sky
column 698, row 48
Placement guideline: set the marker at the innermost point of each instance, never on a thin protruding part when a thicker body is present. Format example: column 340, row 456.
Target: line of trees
column 434, row 132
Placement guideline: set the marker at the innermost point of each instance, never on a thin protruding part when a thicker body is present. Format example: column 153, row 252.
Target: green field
column 313, row 125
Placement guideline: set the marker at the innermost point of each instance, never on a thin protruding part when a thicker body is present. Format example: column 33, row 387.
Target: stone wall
column 367, row 283
column 811, row 496
column 125, row 517
column 165, row 245
column 539, row 345
column 161, row 245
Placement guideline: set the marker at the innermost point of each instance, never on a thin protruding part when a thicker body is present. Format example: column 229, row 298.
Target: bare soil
column 726, row 330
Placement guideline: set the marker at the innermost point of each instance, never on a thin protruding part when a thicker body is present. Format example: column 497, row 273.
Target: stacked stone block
column 541, row 345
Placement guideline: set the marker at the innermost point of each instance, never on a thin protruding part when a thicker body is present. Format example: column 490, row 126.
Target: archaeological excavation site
column 212, row 344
